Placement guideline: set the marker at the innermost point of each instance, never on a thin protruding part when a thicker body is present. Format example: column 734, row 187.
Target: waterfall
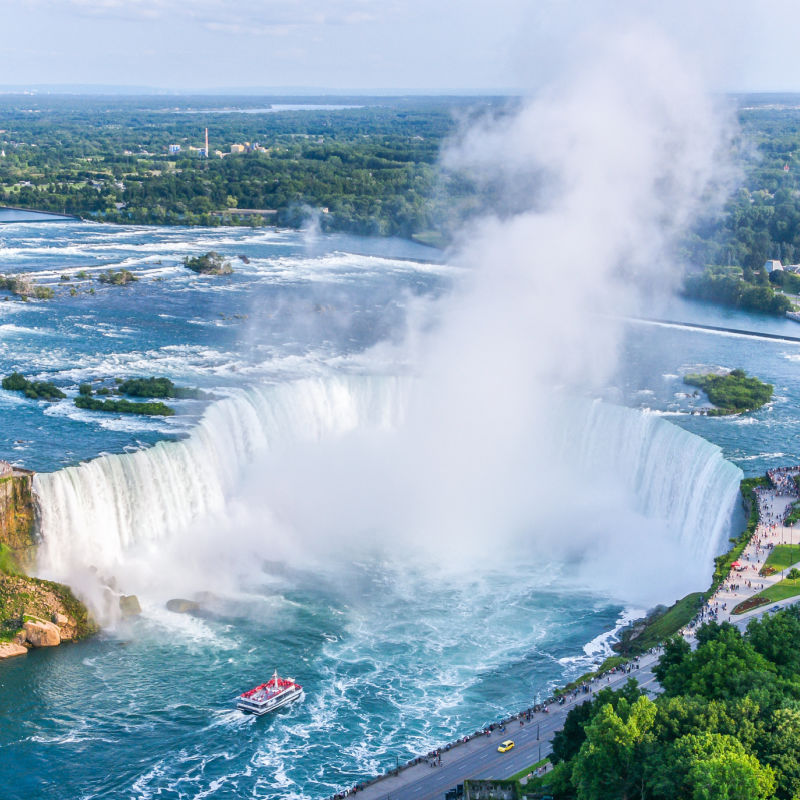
column 673, row 475
column 94, row 512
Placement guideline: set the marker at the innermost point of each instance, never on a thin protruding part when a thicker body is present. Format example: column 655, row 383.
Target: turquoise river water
column 232, row 501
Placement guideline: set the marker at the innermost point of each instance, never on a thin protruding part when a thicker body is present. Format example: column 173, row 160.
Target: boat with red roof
column 269, row 696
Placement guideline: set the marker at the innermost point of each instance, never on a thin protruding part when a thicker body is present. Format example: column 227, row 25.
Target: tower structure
column 206, row 142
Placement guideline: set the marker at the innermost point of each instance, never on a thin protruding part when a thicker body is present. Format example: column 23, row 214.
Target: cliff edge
column 33, row 612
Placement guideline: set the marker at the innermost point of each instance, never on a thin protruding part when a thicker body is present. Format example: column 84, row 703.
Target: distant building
column 773, row 265
column 238, row 148
column 174, row 148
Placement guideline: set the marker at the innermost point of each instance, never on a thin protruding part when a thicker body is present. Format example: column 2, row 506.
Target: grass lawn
column 8, row 564
column 518, row 776
column 780, row 591
column 665, row 625
column 783, row 556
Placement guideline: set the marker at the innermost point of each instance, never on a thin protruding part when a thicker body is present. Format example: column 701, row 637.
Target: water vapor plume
column 494, row 453
column 599, row 174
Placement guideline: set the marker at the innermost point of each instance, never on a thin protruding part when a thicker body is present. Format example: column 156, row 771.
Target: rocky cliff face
column 17, row 530
column 33, row 612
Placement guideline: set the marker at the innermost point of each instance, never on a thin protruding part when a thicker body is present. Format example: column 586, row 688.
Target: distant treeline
column 761, row 220
column 369, row 170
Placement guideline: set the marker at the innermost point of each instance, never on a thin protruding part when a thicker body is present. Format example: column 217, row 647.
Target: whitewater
column 270, row 505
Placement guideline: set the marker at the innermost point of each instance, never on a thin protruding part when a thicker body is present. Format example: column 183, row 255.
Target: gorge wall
column 17, row 529
column 33, row 612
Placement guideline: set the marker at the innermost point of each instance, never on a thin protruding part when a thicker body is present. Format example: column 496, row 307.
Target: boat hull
column 260, row 709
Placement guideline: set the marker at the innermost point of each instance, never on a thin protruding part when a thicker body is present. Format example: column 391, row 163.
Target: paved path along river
column 479, row 758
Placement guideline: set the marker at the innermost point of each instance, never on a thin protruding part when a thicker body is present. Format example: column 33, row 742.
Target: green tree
column 611, row 761
column 718, row 669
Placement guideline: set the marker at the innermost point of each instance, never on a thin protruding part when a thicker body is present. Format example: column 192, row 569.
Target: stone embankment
column 33, row 612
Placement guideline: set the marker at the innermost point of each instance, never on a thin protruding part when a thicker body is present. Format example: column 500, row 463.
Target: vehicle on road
column 775, row 608
column 505, row 746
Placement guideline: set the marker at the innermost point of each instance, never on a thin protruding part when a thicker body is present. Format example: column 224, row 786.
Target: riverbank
column 767, row 501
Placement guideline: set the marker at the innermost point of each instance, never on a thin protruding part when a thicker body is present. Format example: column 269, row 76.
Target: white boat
column 269, row 696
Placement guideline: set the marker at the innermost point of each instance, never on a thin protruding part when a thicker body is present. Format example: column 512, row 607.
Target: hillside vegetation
column 727, row 726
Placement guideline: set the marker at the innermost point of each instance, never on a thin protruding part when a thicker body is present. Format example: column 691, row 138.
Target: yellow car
column 506, row 746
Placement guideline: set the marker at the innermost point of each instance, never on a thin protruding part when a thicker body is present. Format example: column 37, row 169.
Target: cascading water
column 673, row 475
column 94, row 512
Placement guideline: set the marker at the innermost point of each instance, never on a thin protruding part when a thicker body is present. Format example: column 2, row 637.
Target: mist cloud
column 616, row 158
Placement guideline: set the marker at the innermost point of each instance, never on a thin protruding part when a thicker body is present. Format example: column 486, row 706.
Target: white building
column 773, row 265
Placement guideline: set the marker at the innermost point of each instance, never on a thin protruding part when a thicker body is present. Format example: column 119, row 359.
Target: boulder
column 11, row 649
column 39, row 633
column 129, row 605
column 182, row 606
column 60, row 619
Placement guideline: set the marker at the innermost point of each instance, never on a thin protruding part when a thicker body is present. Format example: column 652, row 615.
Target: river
column 254, row 501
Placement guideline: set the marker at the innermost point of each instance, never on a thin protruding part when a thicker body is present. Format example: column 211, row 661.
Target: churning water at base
column 395, row 658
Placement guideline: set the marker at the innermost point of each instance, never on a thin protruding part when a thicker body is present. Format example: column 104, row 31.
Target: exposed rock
column 16, row 516
column 182, row 606
column 129, row 605
column 11, row 649
column 39, row 600
column 39, row 633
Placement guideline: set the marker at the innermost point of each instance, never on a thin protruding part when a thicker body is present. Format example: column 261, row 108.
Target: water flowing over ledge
column 91, row 514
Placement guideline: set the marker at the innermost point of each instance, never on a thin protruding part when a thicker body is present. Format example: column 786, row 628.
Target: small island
column 35, row 390
column 733, row 393
column 90, row 399
column 160, row 387
column 211, row 263
column 23, row 288
column 123, row 406
column 121, row 277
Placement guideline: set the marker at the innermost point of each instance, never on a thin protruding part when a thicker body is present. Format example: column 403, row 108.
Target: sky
column 428, row 45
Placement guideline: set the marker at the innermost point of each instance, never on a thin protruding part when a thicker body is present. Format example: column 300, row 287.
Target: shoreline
column 583, row 688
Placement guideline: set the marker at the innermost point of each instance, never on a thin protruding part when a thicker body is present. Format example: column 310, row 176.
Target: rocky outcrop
column 11, row 649
column 35, row 611
column 129, row 605
column 182, row 606
column 39, row 633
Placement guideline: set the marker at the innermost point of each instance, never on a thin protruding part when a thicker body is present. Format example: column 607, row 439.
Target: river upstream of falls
column 295, row 508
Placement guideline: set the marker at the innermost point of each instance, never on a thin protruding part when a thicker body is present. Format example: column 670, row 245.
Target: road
column 479, row 758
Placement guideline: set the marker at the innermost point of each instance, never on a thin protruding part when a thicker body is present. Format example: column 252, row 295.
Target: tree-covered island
column 734, row 393
column 103, row 399
column 212, row 263
column 34, row 390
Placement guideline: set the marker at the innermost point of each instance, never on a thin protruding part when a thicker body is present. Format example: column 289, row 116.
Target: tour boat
column 275, row 693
